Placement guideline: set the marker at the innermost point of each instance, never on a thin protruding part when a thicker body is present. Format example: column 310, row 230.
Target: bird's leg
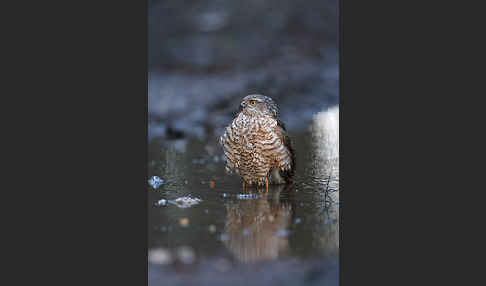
column 266, row 184
column 243, row 183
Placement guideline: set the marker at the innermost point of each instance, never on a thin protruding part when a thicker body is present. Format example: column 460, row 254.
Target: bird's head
column 256, row 104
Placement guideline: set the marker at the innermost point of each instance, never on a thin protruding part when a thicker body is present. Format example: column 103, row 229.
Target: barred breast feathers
column 262, row 144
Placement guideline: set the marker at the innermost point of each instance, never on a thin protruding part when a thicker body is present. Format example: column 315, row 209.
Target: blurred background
column 205, row 56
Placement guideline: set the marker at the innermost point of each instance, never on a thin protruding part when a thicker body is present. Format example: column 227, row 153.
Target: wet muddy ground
column 290, row 233
column 201, row 104
column 204, row 56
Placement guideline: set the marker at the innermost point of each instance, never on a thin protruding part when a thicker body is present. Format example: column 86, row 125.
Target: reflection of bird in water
column 257, row 228
column 256, row 144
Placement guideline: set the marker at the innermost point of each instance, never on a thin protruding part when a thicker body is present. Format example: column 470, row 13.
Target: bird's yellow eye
column 252, row 102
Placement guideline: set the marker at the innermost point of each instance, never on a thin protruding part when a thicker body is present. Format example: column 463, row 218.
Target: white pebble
column 159, row 256
column 186, row 255
column 161, row 202
column 155, row 182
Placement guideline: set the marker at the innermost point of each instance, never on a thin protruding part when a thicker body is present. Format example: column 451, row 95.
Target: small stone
column 155, row 182
column 185, row 202
column 161, row 202
column 246, row 196
column 159, row 256
column 212, row 228
column 186, row 255
column 184, row 222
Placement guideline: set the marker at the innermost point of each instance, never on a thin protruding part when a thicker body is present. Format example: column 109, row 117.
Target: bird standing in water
column 256, row 144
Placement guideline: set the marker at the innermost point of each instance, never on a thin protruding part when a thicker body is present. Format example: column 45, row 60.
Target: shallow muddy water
column 289, row 222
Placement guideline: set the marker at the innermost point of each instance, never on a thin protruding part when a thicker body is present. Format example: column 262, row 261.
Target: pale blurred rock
column 186, row 255
column 159, row 256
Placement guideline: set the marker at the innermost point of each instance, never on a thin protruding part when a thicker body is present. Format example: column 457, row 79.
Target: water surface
column 297, row 221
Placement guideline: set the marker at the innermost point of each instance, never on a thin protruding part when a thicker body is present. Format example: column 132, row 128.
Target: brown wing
column 282, row 134
column 230, row 148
